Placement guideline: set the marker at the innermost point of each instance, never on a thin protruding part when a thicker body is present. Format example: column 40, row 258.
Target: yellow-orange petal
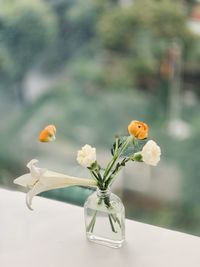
column 138, row 129
column 48, row 134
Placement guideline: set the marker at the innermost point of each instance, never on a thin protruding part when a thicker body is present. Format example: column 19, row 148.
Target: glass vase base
column 104, row 241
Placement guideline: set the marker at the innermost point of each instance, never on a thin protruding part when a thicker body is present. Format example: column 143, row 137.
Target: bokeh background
column 90, row 67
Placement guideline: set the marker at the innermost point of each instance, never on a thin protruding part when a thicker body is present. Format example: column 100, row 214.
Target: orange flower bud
column 138, row 129
column 48, row 134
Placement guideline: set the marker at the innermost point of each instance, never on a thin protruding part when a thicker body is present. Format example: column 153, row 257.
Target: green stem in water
column 90, row 226
column 112, row 218
column 110, row 215
column 116, row 219
column 111, row 223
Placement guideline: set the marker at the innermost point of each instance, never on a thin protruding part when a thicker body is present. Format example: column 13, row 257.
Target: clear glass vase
column 105, row 218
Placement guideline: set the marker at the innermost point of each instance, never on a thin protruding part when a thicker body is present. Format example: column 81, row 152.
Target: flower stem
column 90, row 226
column 114, row 173
column 115, row 158
column 111, row 223
column 112, row 217
column 116, row 219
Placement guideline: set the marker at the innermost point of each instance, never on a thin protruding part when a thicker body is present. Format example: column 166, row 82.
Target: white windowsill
column 53, row 235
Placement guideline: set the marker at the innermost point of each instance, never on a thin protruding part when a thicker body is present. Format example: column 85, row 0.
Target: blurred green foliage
column 26, row 28
column 138, row 36
column 126, row 44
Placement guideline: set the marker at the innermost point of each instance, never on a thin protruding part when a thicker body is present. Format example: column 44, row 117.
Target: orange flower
column 138, row 129
column 48, row 134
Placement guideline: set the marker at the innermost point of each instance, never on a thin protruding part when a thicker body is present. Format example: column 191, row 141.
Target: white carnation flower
column 151, row 153
column 86, row 156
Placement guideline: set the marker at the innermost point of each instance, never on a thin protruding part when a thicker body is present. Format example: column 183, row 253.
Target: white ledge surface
column 53, row 235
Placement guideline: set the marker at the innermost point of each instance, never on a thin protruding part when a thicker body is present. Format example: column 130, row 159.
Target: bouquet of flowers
column 130, row 148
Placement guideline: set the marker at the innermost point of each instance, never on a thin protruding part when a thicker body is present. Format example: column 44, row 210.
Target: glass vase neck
column 103, row 193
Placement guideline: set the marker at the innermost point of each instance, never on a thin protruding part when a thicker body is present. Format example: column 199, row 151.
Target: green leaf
column 133, row 148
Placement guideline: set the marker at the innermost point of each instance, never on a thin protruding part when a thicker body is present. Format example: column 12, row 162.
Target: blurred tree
column 76, row 28
column 7, row 67
column 26, row 28
column 140, row 33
